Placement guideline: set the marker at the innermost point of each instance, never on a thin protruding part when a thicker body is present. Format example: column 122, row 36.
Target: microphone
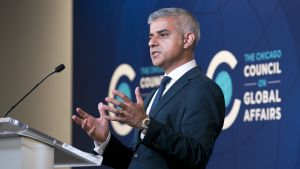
column 58, row 69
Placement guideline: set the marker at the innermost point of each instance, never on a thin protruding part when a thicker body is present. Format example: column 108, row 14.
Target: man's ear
column 188, row 40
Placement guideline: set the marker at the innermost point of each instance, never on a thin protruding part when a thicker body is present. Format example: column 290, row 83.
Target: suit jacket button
column 155, row 145
column 135, row 155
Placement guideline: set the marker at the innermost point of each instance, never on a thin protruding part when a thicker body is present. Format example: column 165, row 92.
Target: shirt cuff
column 100, row 147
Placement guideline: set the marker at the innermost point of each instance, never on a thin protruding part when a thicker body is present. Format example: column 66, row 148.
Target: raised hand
column 130, row 113
column 96, row 128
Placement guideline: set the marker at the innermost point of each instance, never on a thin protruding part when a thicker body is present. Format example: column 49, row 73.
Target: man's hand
column 96, row 128
column 130, row 113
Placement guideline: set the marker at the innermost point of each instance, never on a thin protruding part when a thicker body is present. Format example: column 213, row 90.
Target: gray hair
column 186, row 21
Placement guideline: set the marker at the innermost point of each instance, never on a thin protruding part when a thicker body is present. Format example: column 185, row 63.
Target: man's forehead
column 160, row 24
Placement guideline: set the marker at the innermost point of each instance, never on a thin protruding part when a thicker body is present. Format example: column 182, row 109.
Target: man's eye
column 164, row 35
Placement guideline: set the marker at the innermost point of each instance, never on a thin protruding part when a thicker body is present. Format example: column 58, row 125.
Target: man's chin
column 156, row 64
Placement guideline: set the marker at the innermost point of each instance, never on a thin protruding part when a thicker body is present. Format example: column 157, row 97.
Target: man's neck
column 178, row 64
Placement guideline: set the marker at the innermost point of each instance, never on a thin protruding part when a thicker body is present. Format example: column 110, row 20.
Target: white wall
column 35, row 37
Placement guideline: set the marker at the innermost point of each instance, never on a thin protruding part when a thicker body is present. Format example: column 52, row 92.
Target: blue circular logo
column 223, row 79
column 124, row 88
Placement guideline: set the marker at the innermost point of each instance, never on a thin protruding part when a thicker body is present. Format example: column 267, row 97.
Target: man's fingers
column 84, row 125
column 121, row 95
column 114, row 110
column 138, row 96
column 91, row 132
column 101, row 110
column 116, row 103
column 82, row 113
column 77, row 120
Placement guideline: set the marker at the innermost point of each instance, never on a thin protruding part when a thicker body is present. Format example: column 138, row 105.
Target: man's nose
column 152, row 42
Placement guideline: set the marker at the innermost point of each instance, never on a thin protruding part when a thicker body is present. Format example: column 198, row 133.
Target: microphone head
column 59, row 68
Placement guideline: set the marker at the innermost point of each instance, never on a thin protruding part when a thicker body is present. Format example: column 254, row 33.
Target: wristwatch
column 145, row 125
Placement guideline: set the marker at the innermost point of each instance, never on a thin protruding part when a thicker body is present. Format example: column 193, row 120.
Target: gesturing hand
column 96, row 128
column 130, row 113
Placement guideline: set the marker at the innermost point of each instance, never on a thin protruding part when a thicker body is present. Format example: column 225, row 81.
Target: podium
column 22, row 147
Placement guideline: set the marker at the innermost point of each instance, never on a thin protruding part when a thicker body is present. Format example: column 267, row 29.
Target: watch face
column 145, row 123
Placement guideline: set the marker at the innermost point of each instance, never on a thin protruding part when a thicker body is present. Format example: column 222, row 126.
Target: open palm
column 96, row 128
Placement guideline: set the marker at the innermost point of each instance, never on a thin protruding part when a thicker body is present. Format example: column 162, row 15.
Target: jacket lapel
column 148, row 99
column 181, row 82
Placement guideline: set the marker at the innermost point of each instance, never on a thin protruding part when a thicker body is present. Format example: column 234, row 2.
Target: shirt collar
column 181, row 70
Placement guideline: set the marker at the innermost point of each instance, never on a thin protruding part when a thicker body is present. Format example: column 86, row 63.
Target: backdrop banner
column 251, row 48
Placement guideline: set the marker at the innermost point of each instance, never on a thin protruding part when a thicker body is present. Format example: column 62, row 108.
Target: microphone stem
column 27, row 94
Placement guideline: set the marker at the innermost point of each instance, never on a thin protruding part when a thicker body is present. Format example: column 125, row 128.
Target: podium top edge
column 10, row 127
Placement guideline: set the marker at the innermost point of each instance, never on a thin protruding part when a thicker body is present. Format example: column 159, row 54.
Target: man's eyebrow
column 163, row 30
column 160, row 31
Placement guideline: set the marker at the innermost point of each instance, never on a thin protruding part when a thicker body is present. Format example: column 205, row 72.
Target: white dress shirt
column 175, row 75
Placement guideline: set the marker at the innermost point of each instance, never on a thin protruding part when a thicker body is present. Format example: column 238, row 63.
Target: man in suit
column 178, row 124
